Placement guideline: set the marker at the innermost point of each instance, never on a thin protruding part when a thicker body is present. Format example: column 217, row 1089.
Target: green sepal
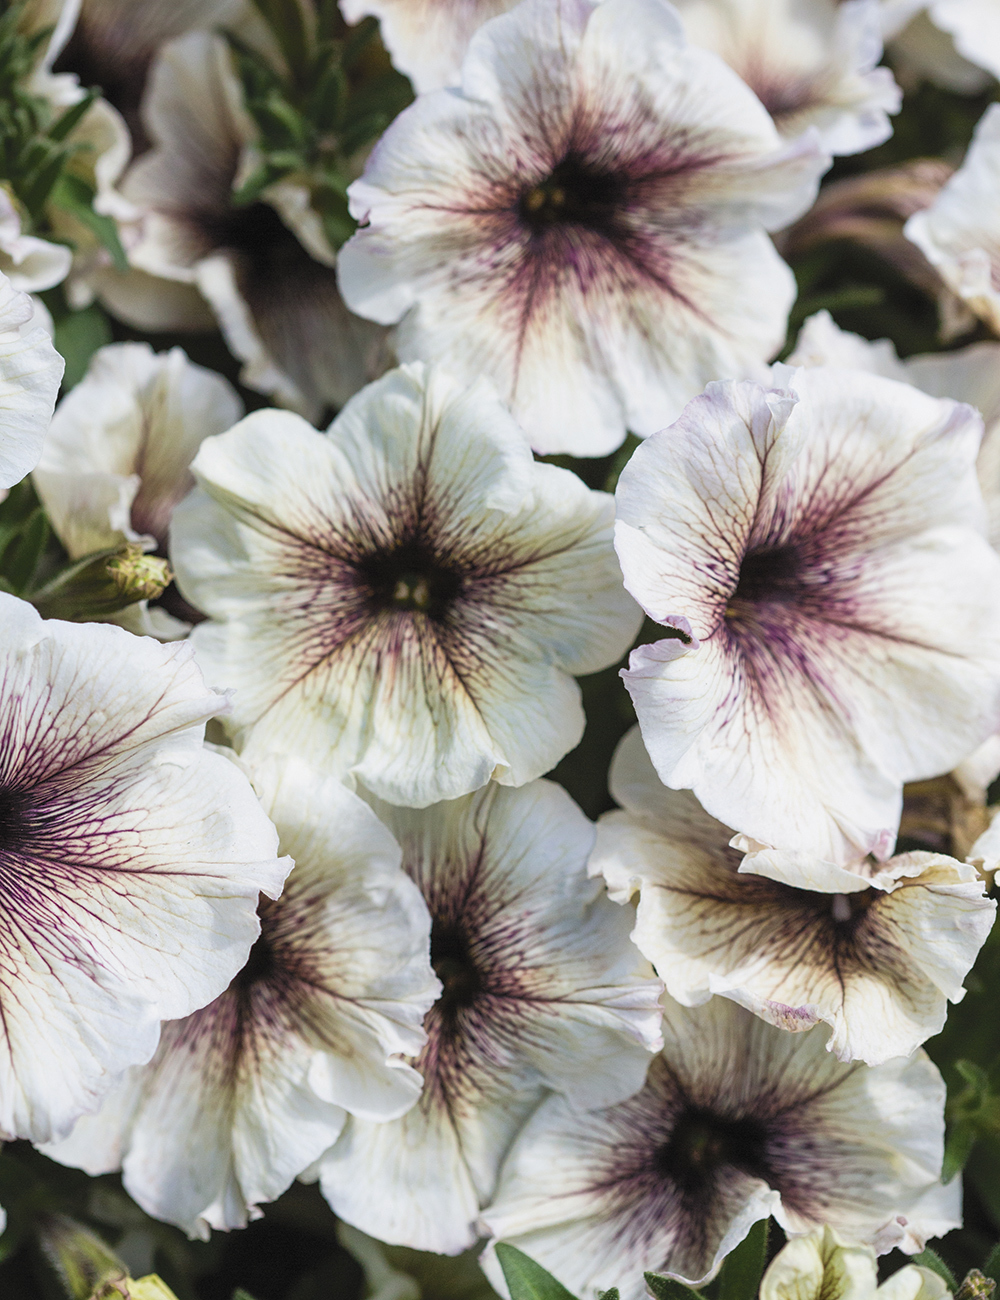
column 931, row 1259
column 668, row 1288
column 527, row 1280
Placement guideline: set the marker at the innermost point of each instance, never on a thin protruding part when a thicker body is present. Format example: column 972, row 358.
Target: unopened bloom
column 794, row 939
column 403, row 598
column 541, row 990
column 822, row 1266
column 810, row 64
column 959, row 233
column 132, row 860
column 737, row 1121
column 816, row 550
column 30, row 373
column 268, row 276
column 584, row 221
column 244, row 1094
column 116, row 458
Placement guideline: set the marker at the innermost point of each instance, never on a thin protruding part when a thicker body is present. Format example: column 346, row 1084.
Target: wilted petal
column 116, row 458
column 132, row 860
column 404, row 597
column 243, row 1095
column 738, row 1120
column 835, row 611
column 541, row 990
column 583, row 222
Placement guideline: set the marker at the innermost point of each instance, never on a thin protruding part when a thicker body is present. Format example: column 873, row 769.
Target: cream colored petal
column 820, row 1266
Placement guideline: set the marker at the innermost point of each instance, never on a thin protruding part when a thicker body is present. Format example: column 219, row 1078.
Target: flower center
column 13, row 806
column 769, row 574
column 256, row 231
column 411, row 578
column 261, row 964
column 703, row 1142
column 576, row 193
column 848, row 909
column 454, row 967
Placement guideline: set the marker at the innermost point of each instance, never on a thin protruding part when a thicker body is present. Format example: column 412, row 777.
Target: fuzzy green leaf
column 931, row 1259
column 668, row 1288
column 527, row 1280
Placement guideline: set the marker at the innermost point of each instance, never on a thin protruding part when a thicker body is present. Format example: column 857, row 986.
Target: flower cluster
column 293, row 884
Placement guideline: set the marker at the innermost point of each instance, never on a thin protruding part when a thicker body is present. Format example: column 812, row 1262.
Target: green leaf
column 931, row 1259
column 992, row 1266
column 284, row 17
column 20, row 560
column 668, row 1288
column 611, row 1294
column 78, row 336
column 743, row 1267
column 241, row 1294
column 958, row 1147
column 61, row 128
column 75, row 196
column 527, row 1280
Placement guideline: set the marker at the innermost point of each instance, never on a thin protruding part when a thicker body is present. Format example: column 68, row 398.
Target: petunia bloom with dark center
column 816, row 549
column 583, row 221
column 737, row 1121
column 540, row 989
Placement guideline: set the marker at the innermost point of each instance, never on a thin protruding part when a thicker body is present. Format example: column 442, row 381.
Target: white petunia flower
column 812, row 64
column 404, row 598
column 834, row 612
column 971, row 375
column 541, row 990
column 116, row 459
column 822, row 1266
column 244, row 1094
column 265, row 268
column 130, row 866
column 959, row 233
column 31, row 371
column 584, row 222
column 30, row 264
column 737, row 1121
column 795, row 940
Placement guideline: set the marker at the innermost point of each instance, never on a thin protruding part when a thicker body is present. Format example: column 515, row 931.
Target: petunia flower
column 31, row 371
column 794, row 939
column 959, row 233
column 584, row 221
column 244, row 1094
column 822, row 1266
column 815, row 551
column 541, row 990
column 737, row 1121
column 404, row 598
column 116, row 458
column 131, row 864
column 812, row 64
column 266, row 268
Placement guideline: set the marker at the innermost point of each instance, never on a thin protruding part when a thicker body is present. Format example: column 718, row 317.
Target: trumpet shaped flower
column 131, row 860
column 403, row 598
column 815, row 549
column 737, row 1121
column 812, row 64
column 117, row 456
column 584, row 221
column 245, row 1093
column 541, row 989
column 796, row 940
column 822, row 1266
column 30, row 373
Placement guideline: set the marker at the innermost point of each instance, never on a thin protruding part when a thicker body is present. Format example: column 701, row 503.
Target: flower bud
column 103, row 583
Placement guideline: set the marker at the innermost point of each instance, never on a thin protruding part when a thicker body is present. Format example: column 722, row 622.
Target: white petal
column 30, row 373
